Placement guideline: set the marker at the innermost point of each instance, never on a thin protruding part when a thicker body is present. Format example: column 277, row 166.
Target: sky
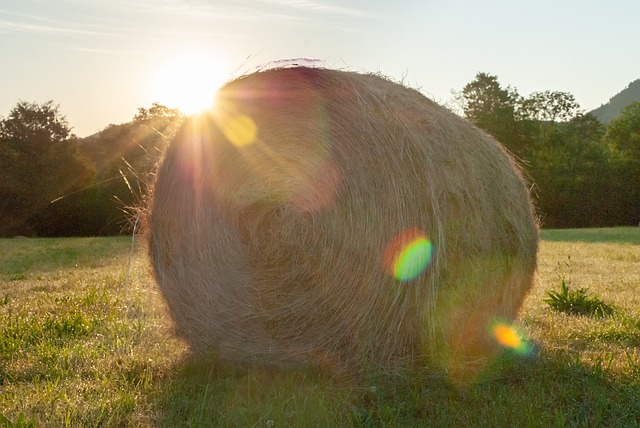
column 101, row 60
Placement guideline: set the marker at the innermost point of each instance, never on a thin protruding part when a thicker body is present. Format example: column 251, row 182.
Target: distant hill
column 136, row 144
column 611, row 110
column 124, row 157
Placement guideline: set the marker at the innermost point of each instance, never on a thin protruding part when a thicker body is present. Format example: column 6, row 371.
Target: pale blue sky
column 99, row 59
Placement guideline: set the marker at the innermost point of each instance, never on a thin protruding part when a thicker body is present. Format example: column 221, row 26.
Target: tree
column 541, row 112
column 562, row 150
column 571, row 171
column 550, row 106
column 623, row 139
column 623, row 134
column 39, row 162
column 156, row 111
column 493, row 108
column 32, row 122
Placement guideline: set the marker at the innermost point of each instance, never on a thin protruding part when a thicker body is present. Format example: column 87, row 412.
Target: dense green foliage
column 55, row 184
column 583, row 173
column 39, row 160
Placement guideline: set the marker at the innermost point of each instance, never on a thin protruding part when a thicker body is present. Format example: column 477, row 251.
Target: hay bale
column 332, row 217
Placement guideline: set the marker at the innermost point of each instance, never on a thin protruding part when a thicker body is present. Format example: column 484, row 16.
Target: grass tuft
column 21, row 422
column 577, row 302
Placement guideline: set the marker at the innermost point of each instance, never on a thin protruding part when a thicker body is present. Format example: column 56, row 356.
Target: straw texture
column 335, row 218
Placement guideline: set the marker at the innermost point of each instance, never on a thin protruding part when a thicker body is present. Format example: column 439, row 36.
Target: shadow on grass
column 549, row 390
column 203, row 392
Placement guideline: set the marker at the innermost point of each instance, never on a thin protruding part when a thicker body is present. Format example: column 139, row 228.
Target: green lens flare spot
column 413, row 260
column 408, row 254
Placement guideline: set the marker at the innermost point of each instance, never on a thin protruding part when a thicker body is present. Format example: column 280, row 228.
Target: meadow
column 85, row 341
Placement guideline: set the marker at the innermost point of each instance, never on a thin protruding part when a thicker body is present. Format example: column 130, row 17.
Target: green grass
column 622, row 235
column 577, row 302
column 85, row 341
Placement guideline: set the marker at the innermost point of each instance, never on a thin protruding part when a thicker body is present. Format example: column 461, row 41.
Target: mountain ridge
column 612, row 109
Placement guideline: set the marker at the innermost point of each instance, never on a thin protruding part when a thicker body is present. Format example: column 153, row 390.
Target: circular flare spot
column 241, row 130
column 509, row 337
column 408, row 254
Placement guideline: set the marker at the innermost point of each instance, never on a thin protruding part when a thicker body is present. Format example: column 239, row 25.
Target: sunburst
column 188, row 80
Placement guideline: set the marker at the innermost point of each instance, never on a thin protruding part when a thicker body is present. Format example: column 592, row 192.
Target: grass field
column 85, row 342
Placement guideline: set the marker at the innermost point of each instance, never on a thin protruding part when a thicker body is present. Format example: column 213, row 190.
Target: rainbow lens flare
column 509, row 337
column 408, row 254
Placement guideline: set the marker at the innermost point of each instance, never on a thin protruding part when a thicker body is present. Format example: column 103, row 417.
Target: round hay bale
column 339, row 218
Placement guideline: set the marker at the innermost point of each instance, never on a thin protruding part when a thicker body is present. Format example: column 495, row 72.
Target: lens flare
column 509, row 337
column 408, row 254
column 240, row 129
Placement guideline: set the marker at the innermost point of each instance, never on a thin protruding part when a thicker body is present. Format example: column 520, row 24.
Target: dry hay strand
column 335, row 218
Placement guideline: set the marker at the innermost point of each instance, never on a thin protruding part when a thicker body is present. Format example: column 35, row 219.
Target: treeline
column 583, row 174
column 55, row 184
column 52, row 183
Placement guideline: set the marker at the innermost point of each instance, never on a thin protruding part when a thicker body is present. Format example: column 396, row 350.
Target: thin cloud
column 142, row 19
column 11, row 22
column 12, row 26
column 22, row 22
column 107, row 51
column 308, row 5
column 239, row 10
column 195, row 9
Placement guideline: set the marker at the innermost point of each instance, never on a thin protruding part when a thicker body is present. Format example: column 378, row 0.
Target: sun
column 188, row 80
